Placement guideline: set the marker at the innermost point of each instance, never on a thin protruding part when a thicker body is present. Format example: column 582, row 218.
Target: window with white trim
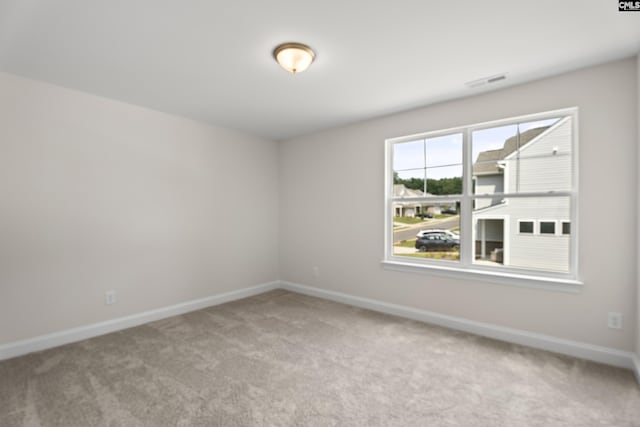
column 526, row 226
column 548, row 227
column 497, row 191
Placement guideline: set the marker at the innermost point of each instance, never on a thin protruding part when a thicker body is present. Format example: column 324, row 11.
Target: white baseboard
column 56, row 339
column 595, row 353
column 545, row 342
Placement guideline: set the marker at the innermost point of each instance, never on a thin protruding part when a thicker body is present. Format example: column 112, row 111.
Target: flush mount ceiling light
column 294, row 57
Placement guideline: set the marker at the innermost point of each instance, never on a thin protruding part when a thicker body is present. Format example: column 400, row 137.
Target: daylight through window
column 486, row 197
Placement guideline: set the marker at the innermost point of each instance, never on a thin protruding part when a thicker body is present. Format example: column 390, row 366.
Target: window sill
column 510, row 279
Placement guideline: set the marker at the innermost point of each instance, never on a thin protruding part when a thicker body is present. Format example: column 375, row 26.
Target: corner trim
column 580, row 350
column 43, row 342
column 636, row 366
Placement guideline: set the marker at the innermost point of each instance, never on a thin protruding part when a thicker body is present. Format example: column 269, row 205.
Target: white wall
column 322, row 173
column 97, row 195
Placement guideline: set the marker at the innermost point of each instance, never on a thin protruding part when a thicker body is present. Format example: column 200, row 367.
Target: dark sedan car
column 436, row 242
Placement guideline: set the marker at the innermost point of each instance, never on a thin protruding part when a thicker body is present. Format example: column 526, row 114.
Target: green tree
column 437, row 187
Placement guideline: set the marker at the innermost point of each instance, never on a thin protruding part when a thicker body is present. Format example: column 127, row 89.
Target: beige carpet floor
column 284, row 359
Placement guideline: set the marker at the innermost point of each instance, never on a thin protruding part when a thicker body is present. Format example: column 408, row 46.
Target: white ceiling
column 211, row 60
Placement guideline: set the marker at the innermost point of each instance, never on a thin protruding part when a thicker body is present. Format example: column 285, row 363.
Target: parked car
column 449, row 233
column 436, row 242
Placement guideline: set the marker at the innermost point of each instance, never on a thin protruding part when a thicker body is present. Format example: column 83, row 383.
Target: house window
column 547, row 227
column 525, row 227
column 492, row 188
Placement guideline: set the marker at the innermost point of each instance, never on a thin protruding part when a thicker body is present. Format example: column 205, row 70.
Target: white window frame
column 465, row 268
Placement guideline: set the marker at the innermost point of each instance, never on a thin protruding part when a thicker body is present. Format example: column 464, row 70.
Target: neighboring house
column 411, row 208
column 532, row 232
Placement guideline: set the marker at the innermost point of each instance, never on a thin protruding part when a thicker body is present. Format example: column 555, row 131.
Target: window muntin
column 537, row 167
column 411, row 226
column 534, row 246
column 516, row 153
column 433, row 166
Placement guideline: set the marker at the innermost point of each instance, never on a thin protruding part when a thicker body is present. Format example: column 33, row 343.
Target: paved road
column 410, row 233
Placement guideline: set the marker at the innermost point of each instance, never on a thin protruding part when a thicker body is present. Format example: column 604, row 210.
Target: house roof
column 478, row 213
column 487, row 161
column 510, row 145
column 399, row 190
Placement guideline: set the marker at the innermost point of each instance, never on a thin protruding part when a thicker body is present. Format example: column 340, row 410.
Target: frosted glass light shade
column 294, row 57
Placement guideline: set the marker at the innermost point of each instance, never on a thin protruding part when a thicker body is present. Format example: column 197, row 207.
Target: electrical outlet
column 614, row 320
column 315, row 271
column 110, row 297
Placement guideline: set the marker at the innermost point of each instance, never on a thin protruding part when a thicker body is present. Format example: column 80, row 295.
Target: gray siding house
column 528, row 232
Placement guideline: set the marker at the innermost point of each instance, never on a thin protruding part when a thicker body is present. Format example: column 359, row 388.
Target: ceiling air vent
column 486, row 80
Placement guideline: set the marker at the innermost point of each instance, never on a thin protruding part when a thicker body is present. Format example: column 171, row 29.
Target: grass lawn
column 406, row 244
column 407, row 220
column 443, row 216
column 450, row 255
column 453, row 256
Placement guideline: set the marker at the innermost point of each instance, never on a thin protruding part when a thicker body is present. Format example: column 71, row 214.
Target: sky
column 441, row 157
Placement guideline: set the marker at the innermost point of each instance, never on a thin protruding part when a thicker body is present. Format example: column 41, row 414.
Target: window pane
column 439, row 159
column 426, row 230
column 544, row 163
column 525, row 227
column 489, row 147
column 408, row 155
column 444, row 164
column 444, row 180
column 409, row 183
column 504, row 234
column 547, row 227
column 528, row 157
column 491, row 139
column 444, row 150
column 566, row 228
